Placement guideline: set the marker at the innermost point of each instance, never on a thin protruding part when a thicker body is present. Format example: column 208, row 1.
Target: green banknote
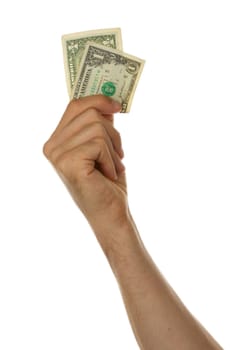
column 107, row 71
column 74, row 46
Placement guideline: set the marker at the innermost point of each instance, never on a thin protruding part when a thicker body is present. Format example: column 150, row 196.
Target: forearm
column 86, row 151
column 158, row 317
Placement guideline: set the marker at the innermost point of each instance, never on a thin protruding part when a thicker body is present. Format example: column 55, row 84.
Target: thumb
column 103, row 104
column 76, row 107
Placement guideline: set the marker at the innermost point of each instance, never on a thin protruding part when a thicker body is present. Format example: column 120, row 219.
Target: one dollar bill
column 74, row 45
column 110, row 72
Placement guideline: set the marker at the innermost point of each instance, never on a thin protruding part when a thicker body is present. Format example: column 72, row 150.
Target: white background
column 56, row 288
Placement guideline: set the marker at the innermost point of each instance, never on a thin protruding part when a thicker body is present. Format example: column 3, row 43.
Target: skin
column 86, row 151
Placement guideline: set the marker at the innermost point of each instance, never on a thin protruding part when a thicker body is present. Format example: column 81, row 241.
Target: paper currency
column 74, row 46
column 107, row 71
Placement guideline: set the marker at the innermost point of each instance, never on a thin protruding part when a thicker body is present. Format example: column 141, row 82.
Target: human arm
column 86, row 151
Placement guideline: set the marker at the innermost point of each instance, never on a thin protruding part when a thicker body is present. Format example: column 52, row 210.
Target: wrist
column 119, row 242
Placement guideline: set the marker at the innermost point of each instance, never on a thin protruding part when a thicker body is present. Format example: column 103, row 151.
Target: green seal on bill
column 108, row 88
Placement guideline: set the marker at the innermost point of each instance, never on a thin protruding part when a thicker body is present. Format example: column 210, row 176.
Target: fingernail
column 116, row 105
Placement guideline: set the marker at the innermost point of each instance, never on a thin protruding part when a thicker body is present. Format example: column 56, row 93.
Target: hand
column 86, row 151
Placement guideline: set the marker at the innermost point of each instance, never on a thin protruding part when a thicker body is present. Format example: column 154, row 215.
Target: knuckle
column 46, row 149
column 116, row 139
column 73, row 103
column 99, row 142
column 53, row 156
column 94, row 115
column 69, row 164
column 72, row 106
column 118, row 136
column 99, row 129
column 50, row 151
column 61, row 163
column 93, row 112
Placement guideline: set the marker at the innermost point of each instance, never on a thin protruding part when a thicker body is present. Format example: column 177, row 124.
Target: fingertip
column 112, row 175
column 116, row 106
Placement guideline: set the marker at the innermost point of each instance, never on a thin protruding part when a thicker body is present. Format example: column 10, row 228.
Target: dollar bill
column 110, row 72
column 74, row 46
